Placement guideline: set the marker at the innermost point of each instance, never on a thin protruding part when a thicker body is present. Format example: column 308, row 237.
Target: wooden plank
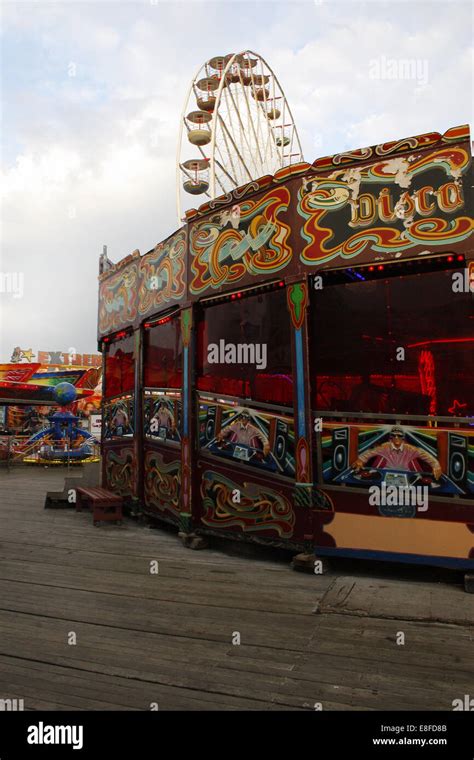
column 184, row 565
column 371, row 598
column 215, row 623
column 332, row 676
column 213, row 592
column 37, row 682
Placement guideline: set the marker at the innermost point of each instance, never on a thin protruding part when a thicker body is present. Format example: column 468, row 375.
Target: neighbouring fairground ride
column 63, row 441
column 236, row 126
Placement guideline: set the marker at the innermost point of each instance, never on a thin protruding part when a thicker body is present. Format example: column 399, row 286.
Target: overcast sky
column 90, row 159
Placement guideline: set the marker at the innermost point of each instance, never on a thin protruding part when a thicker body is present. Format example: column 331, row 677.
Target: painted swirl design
column 260, row 508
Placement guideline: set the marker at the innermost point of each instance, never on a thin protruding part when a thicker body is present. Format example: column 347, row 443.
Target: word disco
column 365, row 211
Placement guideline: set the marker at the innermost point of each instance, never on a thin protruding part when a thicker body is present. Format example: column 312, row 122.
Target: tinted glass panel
column 163, row 355
column 244, row 349
column 120, row 367
column 400, row 345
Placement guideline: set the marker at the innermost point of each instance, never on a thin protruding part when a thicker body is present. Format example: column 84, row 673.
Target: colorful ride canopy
column 24, row 384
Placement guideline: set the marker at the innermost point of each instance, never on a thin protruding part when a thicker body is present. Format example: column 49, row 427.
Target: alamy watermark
column 463, row 282
column 399, row 496
column 12, row 705
column 46, row 734
column 466, row 703
column 399, row 68
column 237, row 353
column 13, row 283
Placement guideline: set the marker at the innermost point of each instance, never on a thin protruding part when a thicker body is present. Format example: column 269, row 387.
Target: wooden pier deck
column 165, row 640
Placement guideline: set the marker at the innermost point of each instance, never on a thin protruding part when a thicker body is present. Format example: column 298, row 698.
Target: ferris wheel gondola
column 236, row 126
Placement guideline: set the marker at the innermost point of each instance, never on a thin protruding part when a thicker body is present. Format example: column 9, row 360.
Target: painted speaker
column 279, row 449
column 210, row 429
column 458, row 459
column 340, row 449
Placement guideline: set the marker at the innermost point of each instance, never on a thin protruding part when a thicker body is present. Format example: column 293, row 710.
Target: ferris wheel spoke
column 270, row 141
column 236, row 131
column 270, row 147
column 290, row 147
column 252, row 127
column 224, row 159
column 258, row 138
column 218, row 179
column 282, row 133
column 229, row 176
column 244, row 165
column 265, row 109
column 243, row 132
column 239, row 128
column 269, row 156
column 231, row 160
column 266, row 132
column 269, row 161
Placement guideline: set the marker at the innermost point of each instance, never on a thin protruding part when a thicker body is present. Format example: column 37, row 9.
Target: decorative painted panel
column 161, row 274
column 118, row 416
column 391, row 207
column 162, row 416
column 162, row 484
column 361, row 456
column 120, row 470
column 118, row 298
column 247, row 239
column 264, row 440
column 257, row 509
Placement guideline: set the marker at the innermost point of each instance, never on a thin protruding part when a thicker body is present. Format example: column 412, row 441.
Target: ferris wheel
column 236, row 126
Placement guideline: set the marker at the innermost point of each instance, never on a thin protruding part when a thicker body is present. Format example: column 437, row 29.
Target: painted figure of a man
column 163, row 418
column 120, row 424
column 397, row 454
column 244, row 433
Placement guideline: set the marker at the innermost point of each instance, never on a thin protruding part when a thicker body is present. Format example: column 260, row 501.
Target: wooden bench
column 60, row 499
column 106, row 506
